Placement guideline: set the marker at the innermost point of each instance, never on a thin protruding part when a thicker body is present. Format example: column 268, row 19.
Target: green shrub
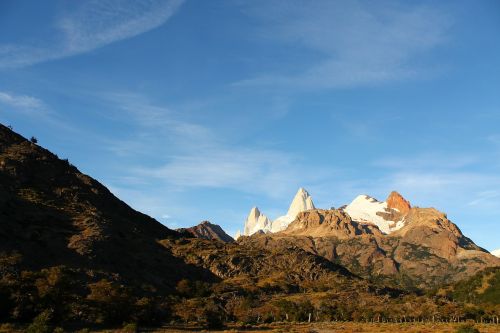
column 6, row 328
column 213, row 319
column 111, row 302
column 130, row 328
column 467, row 328
column 83, row 330
column 41, row 324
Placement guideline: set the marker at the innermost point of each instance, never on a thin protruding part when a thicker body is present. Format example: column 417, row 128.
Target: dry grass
column 344, row 328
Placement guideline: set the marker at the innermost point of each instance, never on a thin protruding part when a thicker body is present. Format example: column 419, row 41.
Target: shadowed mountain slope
column 52, row 214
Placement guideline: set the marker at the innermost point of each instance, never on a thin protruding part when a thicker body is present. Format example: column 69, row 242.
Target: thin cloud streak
column 427, row 161
column 189, row 155
column 94, row 25
column 246, row 170
column 21, row 101
column 357, row 43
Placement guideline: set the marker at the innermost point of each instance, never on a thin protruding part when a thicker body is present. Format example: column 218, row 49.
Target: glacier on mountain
column 366, row 209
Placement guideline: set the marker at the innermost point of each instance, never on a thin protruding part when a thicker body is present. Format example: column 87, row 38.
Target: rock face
column 300, row 203
column 328, row 223
column 256, row 221
column 207, row 230
column 397, row 202
column 496, row 253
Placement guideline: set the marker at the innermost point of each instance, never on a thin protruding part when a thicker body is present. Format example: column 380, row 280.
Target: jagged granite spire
column 300, row 203
column 256, row 221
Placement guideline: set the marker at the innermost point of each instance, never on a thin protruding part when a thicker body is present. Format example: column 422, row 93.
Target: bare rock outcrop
column 396, row 201
column 207, row 230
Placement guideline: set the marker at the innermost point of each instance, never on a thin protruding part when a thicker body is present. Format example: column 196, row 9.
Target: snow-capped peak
column 366, row 209
column 256, row 221
column 300, row 203
column 496, row 253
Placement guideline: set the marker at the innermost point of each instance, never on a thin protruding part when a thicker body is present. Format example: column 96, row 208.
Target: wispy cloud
column 486, row 197
column 189, row 155
column 428, row 160
column 15, row 106
column 350, row 43
column 92, row 25
column 244, row 169
column 21, row 101
column 445, row 180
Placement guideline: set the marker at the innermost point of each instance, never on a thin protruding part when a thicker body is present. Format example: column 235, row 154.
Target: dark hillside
column 52, row 214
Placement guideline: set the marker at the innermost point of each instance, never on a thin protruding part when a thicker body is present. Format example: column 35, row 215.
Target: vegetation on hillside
column 73, row 255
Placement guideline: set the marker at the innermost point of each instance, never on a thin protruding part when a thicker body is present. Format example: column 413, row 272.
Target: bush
column 34, row 140
column 213, row 319
column 41, row 324
column 189, row 289
column 130, row 328
column 6, row 328
column 83, row 330
column 467, row 328
column 295, row 311
column 112, row 302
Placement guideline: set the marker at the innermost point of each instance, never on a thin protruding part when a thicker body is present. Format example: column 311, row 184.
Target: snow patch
column 364, row 209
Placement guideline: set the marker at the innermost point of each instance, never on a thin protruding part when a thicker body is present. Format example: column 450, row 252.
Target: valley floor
column 348, row 327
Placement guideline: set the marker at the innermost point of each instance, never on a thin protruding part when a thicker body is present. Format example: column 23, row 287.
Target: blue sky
column 194, row 110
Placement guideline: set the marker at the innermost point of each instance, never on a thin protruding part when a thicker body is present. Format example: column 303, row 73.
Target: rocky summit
column 207, row 230
column 395, row 201
column 387, row 215
column 255, row 222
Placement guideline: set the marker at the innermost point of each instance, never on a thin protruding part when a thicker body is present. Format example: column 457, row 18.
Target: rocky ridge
column 426, row 251
column 207, row 230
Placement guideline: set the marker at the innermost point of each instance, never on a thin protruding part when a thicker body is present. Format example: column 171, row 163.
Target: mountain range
column 389, row 241
column 355, row 260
